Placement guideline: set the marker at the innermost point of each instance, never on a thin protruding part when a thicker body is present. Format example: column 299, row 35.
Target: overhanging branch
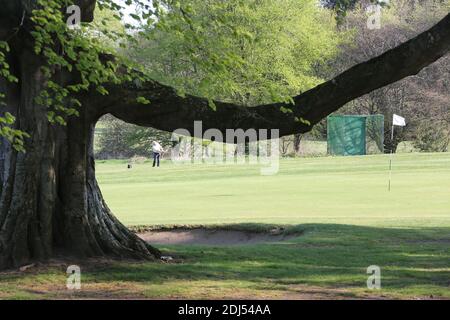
column 168, row 111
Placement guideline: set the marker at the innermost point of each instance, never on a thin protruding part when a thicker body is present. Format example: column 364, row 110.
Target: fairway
column 340, row 190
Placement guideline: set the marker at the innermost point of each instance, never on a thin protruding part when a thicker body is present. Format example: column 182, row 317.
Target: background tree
column 432, row 136
column 422, row 99
column 118, row 140
column 270, row 55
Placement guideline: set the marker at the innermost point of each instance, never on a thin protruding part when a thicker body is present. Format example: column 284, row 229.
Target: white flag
column 398, row 121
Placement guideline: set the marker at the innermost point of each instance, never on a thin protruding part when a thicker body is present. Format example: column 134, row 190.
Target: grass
column 309, row 190
column 348, row 221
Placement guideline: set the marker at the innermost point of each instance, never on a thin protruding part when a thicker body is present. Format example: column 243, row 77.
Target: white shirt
column 156, row 147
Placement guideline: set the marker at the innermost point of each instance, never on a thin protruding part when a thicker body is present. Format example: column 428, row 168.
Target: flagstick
column 390, row 157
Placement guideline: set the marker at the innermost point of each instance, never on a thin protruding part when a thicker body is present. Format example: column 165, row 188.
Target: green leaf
column 142, row 100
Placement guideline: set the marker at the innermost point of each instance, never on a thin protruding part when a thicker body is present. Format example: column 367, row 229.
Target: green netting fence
column 350, row 135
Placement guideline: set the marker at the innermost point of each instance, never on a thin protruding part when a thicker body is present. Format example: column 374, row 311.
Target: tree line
column 278, row 65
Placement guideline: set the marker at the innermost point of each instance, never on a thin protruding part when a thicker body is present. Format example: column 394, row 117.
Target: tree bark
column 297, row 142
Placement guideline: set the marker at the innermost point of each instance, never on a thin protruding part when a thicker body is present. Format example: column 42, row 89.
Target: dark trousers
column 156, row 157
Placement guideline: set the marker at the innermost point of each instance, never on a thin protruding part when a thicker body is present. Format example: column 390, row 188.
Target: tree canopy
column 268, row 56
column 223, row 73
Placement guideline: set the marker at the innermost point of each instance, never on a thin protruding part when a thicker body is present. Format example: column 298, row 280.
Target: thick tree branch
column 168, row 111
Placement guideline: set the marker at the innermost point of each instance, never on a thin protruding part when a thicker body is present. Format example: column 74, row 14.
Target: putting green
column 342, row 190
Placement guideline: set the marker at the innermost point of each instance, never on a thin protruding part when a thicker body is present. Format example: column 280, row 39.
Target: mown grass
column 309, row 190
column 340, row 207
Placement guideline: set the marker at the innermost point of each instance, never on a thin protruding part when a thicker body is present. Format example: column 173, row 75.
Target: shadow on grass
column 412, row 261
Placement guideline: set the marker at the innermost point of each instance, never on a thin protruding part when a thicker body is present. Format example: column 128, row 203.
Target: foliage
column 194, row 23
column 7, row 130
column 432, row 136
column 244, row 51
column 90, row 51
column 248, row 52
column 342, row 7
column 422, row 100
column 76, row 49
column 267, row 52
column 117, row 139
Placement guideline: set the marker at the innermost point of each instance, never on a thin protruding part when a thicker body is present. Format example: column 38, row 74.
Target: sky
column 128, row 10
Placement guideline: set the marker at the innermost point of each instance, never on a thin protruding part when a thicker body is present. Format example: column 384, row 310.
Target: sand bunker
column 211, row 237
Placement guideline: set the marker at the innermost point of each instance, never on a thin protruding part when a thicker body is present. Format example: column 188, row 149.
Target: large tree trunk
column 50, row 201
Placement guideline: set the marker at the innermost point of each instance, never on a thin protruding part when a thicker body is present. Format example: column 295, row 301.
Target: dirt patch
column 212, row 237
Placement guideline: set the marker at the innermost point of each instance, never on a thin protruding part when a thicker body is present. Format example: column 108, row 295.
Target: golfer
column 157, row 150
